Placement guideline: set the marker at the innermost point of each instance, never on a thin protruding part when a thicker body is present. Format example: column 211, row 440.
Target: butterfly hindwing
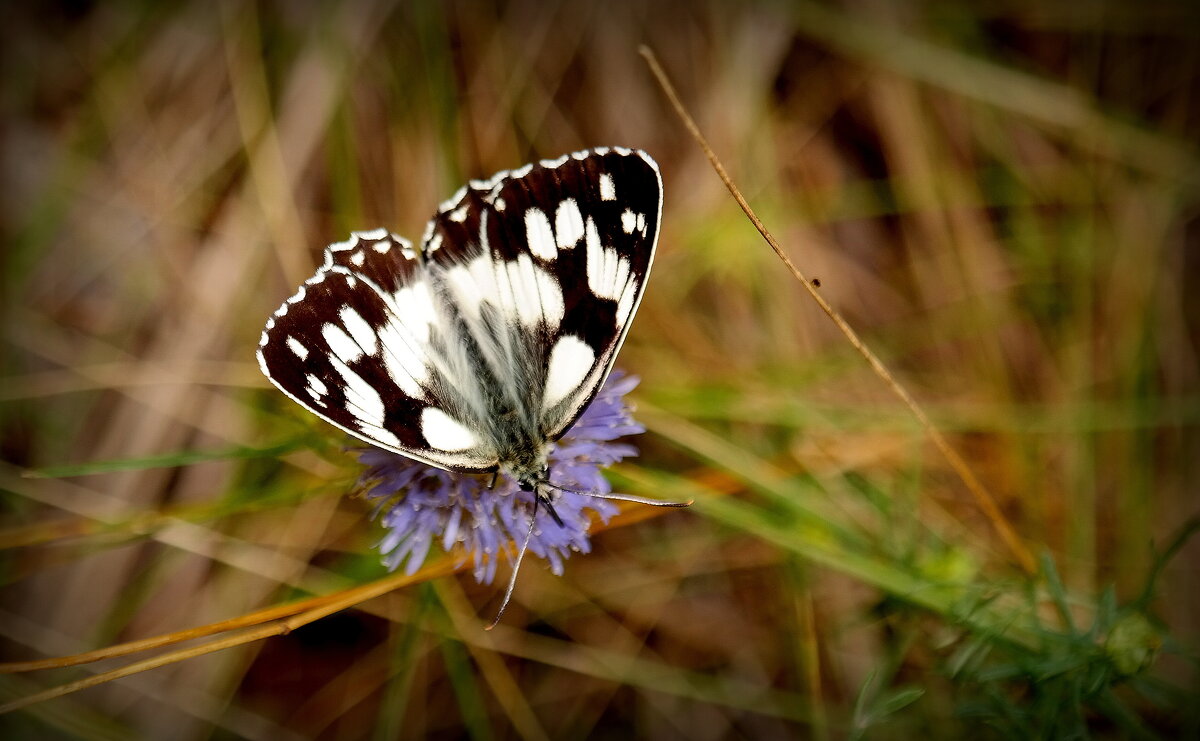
column 486, row 343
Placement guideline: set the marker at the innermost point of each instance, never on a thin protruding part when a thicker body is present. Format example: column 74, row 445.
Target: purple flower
column 421, row 505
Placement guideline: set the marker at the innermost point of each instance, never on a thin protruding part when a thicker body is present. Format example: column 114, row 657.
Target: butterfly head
column 530, row 479
column 536, row 479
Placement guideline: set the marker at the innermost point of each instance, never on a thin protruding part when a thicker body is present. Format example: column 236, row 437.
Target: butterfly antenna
column 623, row 497
column 512, row 580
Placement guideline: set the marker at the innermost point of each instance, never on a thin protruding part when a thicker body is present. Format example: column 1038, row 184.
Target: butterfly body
column 479, row 349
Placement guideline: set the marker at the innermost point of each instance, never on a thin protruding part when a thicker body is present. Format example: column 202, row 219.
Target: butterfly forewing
column 488, row 341
column 592, row 221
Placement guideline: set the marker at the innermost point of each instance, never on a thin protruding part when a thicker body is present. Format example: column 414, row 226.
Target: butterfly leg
column 550, row 507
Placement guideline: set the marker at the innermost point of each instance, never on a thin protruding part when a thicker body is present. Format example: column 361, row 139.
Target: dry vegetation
column 1000, row 197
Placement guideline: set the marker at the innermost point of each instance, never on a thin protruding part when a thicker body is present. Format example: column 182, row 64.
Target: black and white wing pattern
column 476, row 350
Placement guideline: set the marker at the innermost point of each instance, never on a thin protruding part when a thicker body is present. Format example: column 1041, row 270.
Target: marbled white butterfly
column 478, row 350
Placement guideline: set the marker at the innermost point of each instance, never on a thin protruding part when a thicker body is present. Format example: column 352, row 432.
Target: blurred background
column 1001, row 197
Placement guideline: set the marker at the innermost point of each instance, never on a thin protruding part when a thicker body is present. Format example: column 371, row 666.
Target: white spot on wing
column 316, row 387
column 628, row 221
column 459, row 214
column 359, row 329
column 607, row 272
column 362, row 400
column 414, row 307
column 500, row 204
column 444, row 433
column 295, row 346
column 518, row 289
column 358, row 257
column 641, row 223
column 620, row 276
column 405, row 336
column 625, row 304
column 550, row 293
column 538, row 234
column 375, row 430
column 403, row 358
column 568, row 224
column 382, row 247
column 379, row 233
column 380, row 435
column 594, row 248
column 520, row 296
column 608, row 190
column 340, row 343
column 570, row 362
column 469, row 283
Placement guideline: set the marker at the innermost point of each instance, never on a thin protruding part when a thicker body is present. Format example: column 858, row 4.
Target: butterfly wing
column 490, row 341
column 550, row 283
column 355, row 345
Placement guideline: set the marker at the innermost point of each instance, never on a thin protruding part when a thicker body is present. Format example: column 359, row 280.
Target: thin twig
column 984, row 499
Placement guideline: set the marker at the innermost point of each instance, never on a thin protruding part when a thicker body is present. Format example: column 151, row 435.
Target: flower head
column 420, row 505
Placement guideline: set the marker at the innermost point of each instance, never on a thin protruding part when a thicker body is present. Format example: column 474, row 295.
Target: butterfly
column 478, row 349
